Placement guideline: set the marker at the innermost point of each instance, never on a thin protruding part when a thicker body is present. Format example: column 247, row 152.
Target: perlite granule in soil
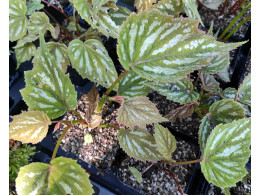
column 156, row 180
column 101, row 152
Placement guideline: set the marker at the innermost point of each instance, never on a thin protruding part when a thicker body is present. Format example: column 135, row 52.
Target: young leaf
column 138, row 111
column 61, row 176
column 244, row 91
column 212, row 4
column 217, row 64
column 229, row 93
column 225, row 111
column 24, row 53
column 137, row 175
column 181, row 112
column 29, row 127
column 165, row 141
column 17, row 19
column 160, row 48
column 48, row 89
column 26, row 39
column 39, row 22
column 132, row 85
column 143, row 5
column 191, row 9
column 180, row 91
column 120, row 15
column 209, row 83
column 204, row 132
column 171, row 7
column 33, row 5
column 226, row 153
column 139, row 144
column 60, row 53
column 92, row 61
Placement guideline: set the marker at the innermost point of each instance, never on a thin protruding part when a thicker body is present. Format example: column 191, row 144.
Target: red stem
column 234, row 9
column 56, row 9
column 224, row 6
column 179, row 188
column 201, row 4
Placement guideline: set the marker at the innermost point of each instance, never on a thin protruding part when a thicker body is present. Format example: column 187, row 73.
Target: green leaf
column 61, row 176
column 143, row 5
column 226, row 153
column 138, row 111
column 139, row 144
column 160, row 48
column 165, row 141
column 72, row 27
column 29, row 127
column 191, row 9
column 17, row 19
column 48, row 89
column 33, row 5
column 181, row 91
column 132, row 85
column 204, row 132
column 171, row 7
column 24, row 53
column 26, row 39
column 97, row 18
column 209, row 83
column 244, row 91
column 120, row 15
column 212, row 4
column 224, row 75
column 137, row 175
column 229, row 93
column 181, row 112
column 225, row 111
column 39, row 22
column 92, row 61
column 225, row 191
column 217, row 64
column 210, row 31
column 60, row 53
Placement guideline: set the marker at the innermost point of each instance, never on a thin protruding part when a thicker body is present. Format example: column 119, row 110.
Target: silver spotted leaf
column 132, row 85
column 39, row 21
column 212, row 4
column 165, row 141
column 225, row 111
column 160, row 48
column 138, row 111
column 96, row 14
column 229, row 93
column 48, row 89
column 26, row 39
column 244, row 91
column 226, row 153
column 29, row 127
column 181, row 112
column 204, row 132
column 191, row 9
column 144, row 5
column 170, row 7
column 137, row 175
column 24, row 53
column 180, row 91
column 61, row 176
column 33, row 5
column 139, row 144
column 60, row 53
column 217, row 64
column 92, row 61
column 209, row 83
column 120, row 15
column 17, row 19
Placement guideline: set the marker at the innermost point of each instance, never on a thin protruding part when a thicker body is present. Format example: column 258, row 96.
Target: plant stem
column 104, row 109
column 78, row 115
column 242, row 102
column 237, row 7
column 183, row 163
column 57, row 9
column 148, row 168
column 113, row 126
column 224, row 6
column 179, row 188
column 59, row 141
column 70, row 122
column 75, row 21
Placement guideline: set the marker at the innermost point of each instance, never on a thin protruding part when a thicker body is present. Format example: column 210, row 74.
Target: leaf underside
column 160, row 48
column 29, row 127
column 226, row 153
column 209, row 83
column 61, row 176
column 138, row 111
column 48, row 89
column 139, row 144
column 181, row 112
